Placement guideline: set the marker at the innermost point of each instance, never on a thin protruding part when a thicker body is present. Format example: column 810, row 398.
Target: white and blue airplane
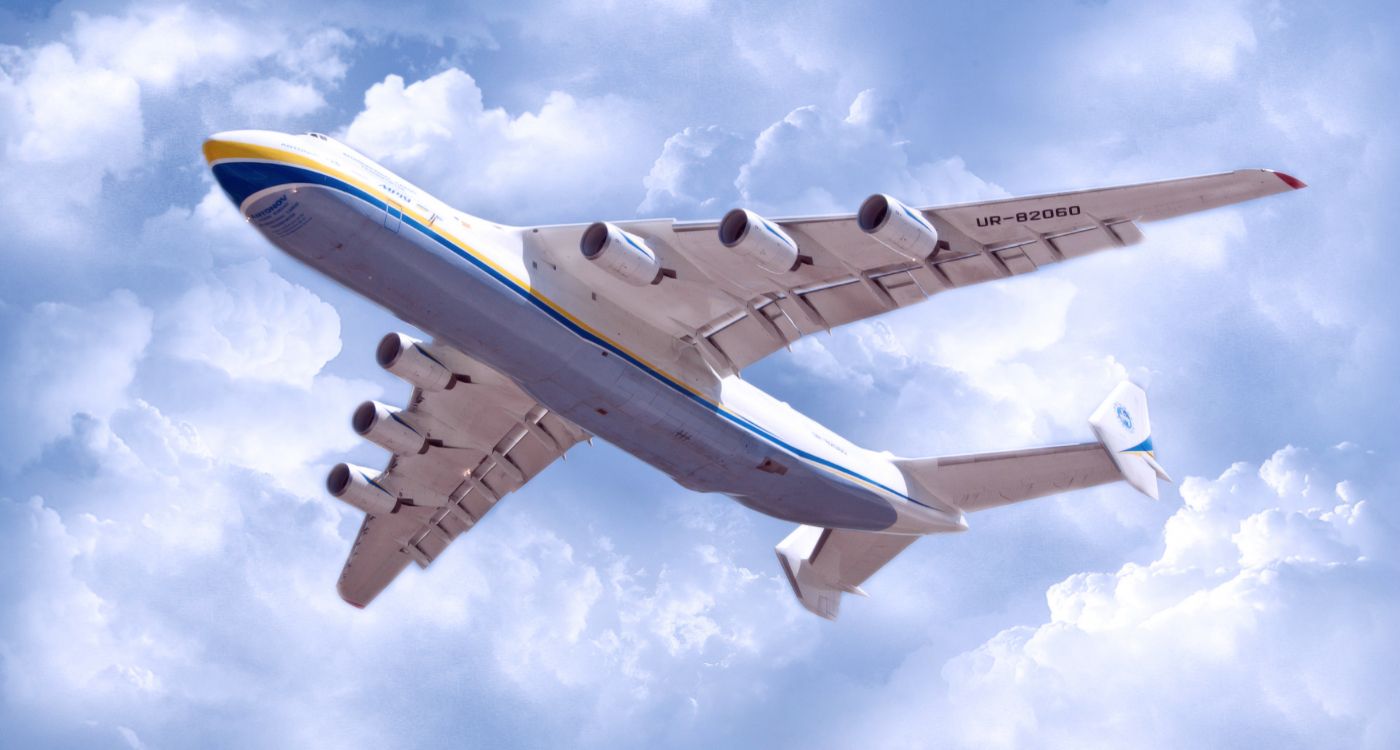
column 636, row 332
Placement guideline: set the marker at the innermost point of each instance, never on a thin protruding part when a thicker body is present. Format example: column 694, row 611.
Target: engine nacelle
column 897, row 226
column 759, row 240
column 622, row 254
column 380, row 424
column 353, row 485
column 405, row 357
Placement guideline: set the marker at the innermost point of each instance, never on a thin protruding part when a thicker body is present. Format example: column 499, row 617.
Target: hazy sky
column 173, row 389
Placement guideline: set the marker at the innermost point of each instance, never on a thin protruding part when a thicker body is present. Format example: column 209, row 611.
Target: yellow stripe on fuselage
column 217, row 151
column 220, row 151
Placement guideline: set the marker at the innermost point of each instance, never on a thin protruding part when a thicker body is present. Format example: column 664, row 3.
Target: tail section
column 979, row 481
column 1122, row 424
column 822, row 564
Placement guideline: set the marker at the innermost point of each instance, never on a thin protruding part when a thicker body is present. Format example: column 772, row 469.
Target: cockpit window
column 318, row 135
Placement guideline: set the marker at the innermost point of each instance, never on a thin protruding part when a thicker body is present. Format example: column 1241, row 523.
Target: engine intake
column 381, row 424
column 352, row 484
column 898, row 227
column 405, row 357
column 622, row 254
column 759, row 240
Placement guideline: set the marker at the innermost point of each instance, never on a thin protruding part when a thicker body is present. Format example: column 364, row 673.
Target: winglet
column 1289, row 180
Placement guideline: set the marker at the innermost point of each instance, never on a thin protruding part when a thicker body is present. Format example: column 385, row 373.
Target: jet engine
column 622, row 254
column 897, row 227
column 759, row 240
column 403, row 356
column 380, row 424
column 352, row 484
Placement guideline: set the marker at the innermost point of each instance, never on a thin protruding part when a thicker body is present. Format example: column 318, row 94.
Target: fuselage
column 476, row 285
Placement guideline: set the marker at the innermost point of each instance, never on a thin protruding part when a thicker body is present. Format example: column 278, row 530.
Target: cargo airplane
column 636, row 332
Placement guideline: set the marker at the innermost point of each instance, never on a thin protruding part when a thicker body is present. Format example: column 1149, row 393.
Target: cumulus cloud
column 274, row 99
column 69, row 361
column 104, row 584
column 251, row 323
column 813, row 162
column 318, row 55
column 57, row 642
column 695, row 172
column 67, row 127
column 169, row 46
column 1264, row 617
column 567, row 160
column 808, row 162
column 171, row 558
column 199, row 238
column 72, row 109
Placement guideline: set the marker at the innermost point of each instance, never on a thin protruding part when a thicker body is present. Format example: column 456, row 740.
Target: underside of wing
column 744, row 287
column 468, row 437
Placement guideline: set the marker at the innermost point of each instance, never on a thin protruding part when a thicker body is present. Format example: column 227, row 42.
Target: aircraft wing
column 737, row 313
column 483, row 438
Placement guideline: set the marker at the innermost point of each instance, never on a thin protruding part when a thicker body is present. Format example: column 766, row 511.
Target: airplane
column 637, row 332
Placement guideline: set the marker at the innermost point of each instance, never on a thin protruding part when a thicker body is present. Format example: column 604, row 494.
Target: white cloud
column 1194, row 41
column 275, row 99
column 695, row 172
column 568, row 159
column 68, row 361
column 169, row 46
column 317, row 55
column 808, row 162
column 1009, row 320
column 168, row 576
column 200, row 238
column 294, row 433
column 68, row 126
column 160, row 532
column 56, row 636
column 72, row 110
column 253, row 324
column 1266, row 613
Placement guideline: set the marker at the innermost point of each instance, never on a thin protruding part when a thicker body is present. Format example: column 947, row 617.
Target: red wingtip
column 1291, row 181
column 356, row 605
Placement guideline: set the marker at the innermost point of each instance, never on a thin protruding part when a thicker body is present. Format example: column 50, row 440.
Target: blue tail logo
column 1123, row 416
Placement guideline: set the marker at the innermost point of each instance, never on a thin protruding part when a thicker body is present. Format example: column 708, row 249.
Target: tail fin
column 1122, row 424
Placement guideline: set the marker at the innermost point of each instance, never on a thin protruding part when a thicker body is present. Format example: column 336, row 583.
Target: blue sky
column 174, row 389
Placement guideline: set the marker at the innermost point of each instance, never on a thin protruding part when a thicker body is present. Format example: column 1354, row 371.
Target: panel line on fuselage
column 314, row 173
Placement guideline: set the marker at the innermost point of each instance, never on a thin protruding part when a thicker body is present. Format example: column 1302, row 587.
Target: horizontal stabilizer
column 987, row 480
column 822, row 564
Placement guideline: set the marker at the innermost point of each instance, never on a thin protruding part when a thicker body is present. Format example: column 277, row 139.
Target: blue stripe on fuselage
column 245, row 178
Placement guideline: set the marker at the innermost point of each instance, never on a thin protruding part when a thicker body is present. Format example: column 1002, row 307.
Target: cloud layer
column 175, row 389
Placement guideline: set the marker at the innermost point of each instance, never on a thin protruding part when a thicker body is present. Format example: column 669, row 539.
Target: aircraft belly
column 427, row 285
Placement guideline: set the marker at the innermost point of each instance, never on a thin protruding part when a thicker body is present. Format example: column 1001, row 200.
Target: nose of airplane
column 232, row 143
column 246, row 161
